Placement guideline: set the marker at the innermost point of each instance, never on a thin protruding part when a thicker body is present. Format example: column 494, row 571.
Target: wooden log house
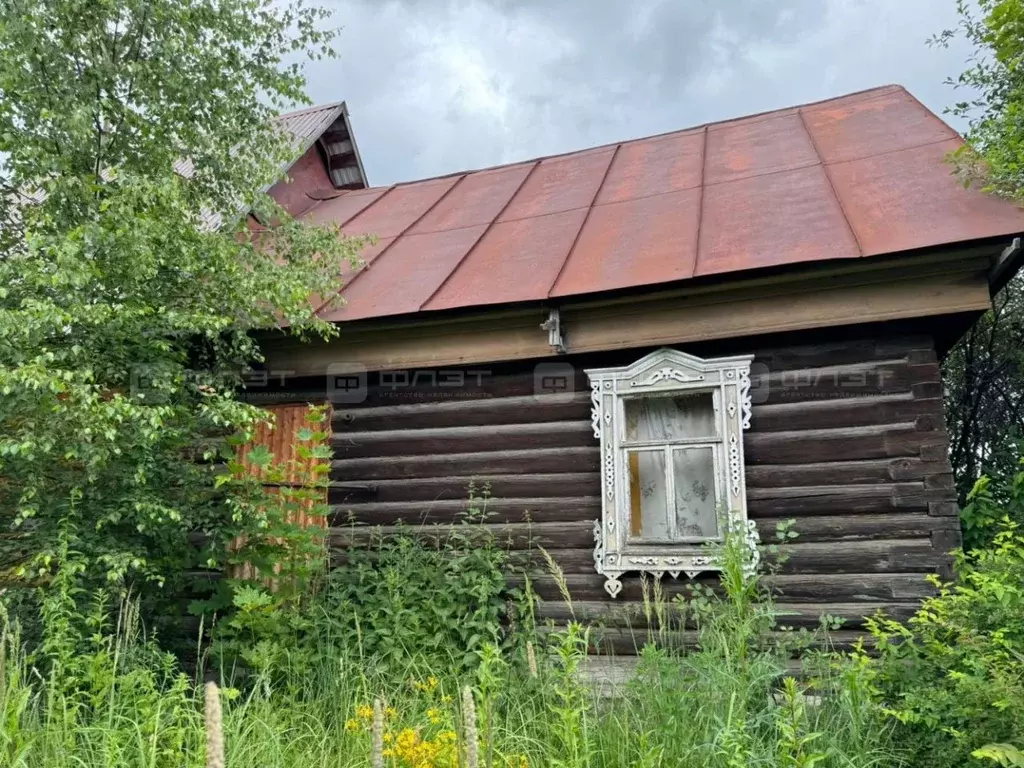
column 745, row 316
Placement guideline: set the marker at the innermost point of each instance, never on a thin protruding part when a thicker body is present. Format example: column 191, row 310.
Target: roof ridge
column 586, row 217
column 700, row 204
column 831, row 184
column 488, row 228
column 366, row 268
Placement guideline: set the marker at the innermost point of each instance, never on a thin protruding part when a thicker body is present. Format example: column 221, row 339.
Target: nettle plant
column 434, row 595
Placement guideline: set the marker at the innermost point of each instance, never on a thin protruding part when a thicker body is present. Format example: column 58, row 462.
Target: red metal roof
column 856, row 176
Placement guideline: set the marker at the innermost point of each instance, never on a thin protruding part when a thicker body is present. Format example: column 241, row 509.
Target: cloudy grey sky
column 436, row 86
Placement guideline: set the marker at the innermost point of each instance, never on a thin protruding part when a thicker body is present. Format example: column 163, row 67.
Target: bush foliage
column 953, row 675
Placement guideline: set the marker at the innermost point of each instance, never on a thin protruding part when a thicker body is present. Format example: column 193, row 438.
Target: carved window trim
column 667, row 371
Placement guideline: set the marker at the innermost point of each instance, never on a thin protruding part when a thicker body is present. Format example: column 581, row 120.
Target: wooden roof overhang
column 953, row 283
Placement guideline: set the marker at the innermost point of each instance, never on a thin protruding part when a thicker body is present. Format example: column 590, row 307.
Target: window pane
column 696, row 507
column 679, row 416
column 647, row 495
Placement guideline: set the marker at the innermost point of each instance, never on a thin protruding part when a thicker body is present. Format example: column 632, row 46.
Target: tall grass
column 111, row 698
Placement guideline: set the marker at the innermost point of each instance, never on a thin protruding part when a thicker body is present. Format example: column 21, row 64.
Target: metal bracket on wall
column 553, row 325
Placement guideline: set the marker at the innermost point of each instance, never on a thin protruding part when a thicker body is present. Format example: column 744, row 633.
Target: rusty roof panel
column 404, row 277
column 887, row 123
column 515, row 261
column 399, row 208
column 560, row 184
column 634, row 242
column 763, row 221
column 654, row 166
column 781, row 188
column 348, row 272
column 755, row 147
column 477, row 200
column 340, row 209
column 367, row 256
column 891, row 201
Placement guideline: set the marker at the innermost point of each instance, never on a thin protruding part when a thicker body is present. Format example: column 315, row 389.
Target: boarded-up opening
column 295, row 427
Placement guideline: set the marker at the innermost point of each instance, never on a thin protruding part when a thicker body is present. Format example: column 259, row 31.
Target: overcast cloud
column 436, row 86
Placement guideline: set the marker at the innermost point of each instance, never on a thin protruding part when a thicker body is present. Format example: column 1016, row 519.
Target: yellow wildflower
column 427, row 686
column 352, row 725
column 364, row 711
column 434, row 716
column 390, row 712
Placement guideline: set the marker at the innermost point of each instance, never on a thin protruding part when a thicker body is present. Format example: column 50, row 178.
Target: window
column 671, row 431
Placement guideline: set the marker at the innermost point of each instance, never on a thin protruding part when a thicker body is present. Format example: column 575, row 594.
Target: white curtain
column 694, row 507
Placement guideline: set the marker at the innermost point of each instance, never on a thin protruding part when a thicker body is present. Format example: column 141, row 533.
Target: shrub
column 952, row 677
column 394, row 598
column 440, row 597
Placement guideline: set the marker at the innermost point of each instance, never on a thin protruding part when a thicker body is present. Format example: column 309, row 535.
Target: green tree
column 136, row 135
column 984, row 372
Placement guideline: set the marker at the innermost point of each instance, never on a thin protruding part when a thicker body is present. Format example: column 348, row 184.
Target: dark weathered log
column 833, row 382
column 838, row 528
column 836, row 499
column 857, row 472
column 881, row 556
column 507, row 535
column 556, row 536
column 824, row 588
column 840, row 412
column 499, row 462
column 631, row 613
column 784, row 416
column 628, row 642
column 542, row 510
column 429, row 489
column 406, row 387
column 411, row 442
column 845, row 444
column 844, row 352
column 522, row 409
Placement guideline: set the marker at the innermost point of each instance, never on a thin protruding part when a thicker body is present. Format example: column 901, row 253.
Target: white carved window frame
column 667, row 371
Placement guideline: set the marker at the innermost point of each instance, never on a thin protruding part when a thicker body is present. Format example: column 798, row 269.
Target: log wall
column 847, row 438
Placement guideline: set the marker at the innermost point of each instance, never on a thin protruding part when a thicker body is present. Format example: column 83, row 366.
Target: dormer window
column 671, row 431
